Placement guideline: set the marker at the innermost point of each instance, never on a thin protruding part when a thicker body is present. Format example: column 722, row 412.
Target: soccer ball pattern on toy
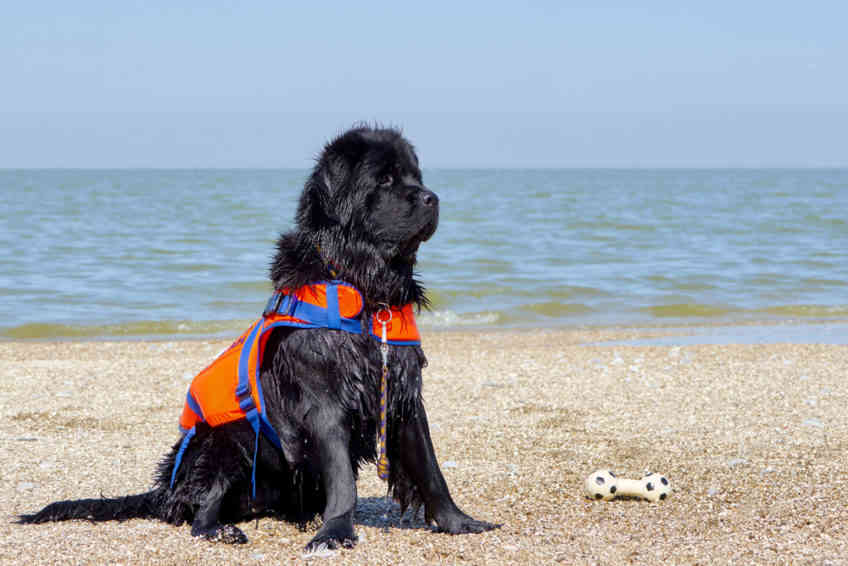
column 656, row 488
column 603, row 484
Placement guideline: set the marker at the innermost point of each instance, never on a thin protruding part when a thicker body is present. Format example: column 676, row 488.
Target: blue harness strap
column 334, row 317
column 313, row 316
column 258, row 421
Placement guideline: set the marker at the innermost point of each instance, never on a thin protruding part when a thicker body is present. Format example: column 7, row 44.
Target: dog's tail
column 142, row 505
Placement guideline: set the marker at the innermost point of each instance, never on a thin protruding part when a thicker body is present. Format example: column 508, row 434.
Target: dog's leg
column 419, row 461
column 333, row 454
column 206, row 523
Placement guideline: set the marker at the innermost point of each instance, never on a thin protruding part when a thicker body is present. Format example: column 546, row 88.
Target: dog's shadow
column 382, row 512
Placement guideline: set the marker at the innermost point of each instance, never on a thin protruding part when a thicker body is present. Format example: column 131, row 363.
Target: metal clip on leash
column 384, row 317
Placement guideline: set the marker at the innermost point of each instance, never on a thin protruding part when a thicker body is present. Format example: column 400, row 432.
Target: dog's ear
column 320, row 199
column 317, row 208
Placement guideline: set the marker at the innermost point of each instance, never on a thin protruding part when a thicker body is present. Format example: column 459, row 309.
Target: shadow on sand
column 382, row 512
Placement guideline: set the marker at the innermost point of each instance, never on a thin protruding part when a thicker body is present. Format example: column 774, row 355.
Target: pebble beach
column 753, row 437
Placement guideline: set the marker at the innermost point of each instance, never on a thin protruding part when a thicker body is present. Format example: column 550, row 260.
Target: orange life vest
column 229, row 389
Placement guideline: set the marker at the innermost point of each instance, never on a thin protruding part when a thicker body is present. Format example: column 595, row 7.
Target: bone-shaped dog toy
column 603, row 484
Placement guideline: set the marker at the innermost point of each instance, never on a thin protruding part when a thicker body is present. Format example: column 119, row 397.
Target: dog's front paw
column 456, row 523
column 228, row 534
column 336, row 533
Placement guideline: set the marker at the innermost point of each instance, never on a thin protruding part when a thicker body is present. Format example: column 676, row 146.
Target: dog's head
column 367, row 187
column 363, row 213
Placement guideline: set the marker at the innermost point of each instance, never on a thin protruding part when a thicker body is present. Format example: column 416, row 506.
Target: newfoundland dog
column 332, row 369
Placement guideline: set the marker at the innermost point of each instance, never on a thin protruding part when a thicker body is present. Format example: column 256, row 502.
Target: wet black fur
column 363, row 213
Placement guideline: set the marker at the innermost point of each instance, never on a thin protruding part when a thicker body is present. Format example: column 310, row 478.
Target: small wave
column 601, row 225
column 263, row 286
column 512, row 289
column 689, row 284
column 555, row 309
column 832, row 222
column 190, row 267
column 820, row 282
column 687, row 310
column 449, row 319
column 35, row 331
column 812, row 311
column 234, row 306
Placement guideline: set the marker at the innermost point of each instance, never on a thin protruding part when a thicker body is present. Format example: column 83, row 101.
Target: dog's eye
column 385, row 180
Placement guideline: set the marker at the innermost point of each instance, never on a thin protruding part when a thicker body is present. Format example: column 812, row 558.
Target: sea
column 141, row 254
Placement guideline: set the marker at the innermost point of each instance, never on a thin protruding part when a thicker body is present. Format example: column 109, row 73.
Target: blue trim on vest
column 264, row 423
column 193, row 405
column 244, row 358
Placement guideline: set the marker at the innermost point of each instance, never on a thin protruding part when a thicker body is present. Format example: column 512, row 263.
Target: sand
column 754, row 439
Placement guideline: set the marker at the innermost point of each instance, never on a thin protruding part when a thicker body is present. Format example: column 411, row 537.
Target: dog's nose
column 429, row 198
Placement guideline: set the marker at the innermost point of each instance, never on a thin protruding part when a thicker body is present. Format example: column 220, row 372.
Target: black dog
column 361, row 218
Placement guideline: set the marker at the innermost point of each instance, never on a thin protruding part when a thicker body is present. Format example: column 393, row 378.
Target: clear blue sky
column 549, row 84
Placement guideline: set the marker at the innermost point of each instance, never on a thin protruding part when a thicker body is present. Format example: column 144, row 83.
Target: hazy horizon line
column 466, row 168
